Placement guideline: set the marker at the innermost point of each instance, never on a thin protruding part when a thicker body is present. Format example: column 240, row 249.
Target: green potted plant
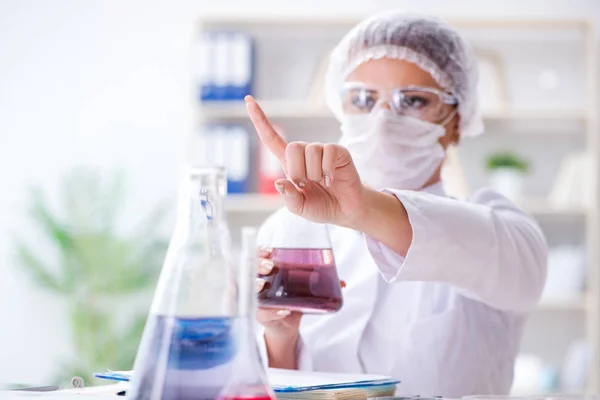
column 506, row 171
column 105, row 273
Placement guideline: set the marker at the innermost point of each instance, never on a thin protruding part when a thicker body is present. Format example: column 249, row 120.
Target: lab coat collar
column 435, row 188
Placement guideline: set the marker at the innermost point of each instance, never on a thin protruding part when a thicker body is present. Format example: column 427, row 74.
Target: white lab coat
column 447, row 319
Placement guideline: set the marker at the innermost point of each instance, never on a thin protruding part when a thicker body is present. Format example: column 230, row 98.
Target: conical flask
column 304, row 277
column 248, row 380
column 188, row 346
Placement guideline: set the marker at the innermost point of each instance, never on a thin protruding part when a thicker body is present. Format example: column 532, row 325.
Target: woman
column 438, row 289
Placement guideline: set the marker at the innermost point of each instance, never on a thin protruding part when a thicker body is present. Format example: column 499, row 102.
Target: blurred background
column 103, row 102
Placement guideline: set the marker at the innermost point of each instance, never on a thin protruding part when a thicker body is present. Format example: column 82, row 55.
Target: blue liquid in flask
column 185, row 358
column 190, row 339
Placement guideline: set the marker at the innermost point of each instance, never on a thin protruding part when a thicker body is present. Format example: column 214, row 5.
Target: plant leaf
column 41, row 213
column 39, row 272
column 95, row 260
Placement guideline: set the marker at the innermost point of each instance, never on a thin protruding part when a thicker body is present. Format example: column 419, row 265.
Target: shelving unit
column 284, row 100
column 252, row 203
column 258, row 203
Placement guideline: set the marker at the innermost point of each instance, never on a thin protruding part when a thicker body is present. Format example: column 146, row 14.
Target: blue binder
column 227, row 65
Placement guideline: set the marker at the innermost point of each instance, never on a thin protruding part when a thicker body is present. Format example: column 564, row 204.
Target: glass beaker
column 188, row 345
column 248, row 379
column 304, row 277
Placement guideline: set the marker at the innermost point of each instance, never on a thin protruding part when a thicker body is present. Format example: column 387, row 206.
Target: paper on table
column 292, row 378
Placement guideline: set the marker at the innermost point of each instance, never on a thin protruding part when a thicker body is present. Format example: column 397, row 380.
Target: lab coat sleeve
column 487, row 248
column 304, row 361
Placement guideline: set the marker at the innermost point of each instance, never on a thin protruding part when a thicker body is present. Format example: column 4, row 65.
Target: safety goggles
column 424, row 103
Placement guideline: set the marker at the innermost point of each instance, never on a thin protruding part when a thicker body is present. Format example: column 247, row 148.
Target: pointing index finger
column 267, row 134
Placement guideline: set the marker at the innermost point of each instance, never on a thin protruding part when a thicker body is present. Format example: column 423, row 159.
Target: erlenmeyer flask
column 248, row 379
column 304, row 278
column 189, row 345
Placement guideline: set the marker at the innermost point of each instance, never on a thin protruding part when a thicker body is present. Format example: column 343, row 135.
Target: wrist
column 281, row 350
column 369, row 201
column 384, row 218
column 277, row 338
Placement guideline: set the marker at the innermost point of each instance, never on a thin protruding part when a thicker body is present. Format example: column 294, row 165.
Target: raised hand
column 322, row 184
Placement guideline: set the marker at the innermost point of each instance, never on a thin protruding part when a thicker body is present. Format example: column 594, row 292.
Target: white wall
column 105, row 82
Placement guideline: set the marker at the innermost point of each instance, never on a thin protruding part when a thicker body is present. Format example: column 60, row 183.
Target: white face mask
column 393, row 151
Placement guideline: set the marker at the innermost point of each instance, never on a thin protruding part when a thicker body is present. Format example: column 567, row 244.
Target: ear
column 452, row 136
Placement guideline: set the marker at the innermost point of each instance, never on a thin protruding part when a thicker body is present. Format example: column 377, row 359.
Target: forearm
column 497, row 252
column 281, row 352
column 384, row 218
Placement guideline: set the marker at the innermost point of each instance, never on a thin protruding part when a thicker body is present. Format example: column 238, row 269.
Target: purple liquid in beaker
column 303, row 280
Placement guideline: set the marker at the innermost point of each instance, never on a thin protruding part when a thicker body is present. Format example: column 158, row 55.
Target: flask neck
column 247, row 298
column 205, row 190
column 205, row 206
column 247, row 302
column 249, row 359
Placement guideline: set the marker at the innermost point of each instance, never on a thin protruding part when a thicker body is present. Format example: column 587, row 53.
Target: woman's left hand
column 322, row 184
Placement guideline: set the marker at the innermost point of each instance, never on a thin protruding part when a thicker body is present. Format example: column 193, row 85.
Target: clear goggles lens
column 427, row 104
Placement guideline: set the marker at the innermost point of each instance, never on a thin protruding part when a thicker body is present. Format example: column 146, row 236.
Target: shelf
column 258, row 203
column 252, row 203
column 579, row 305
column 549, row 114
column 283, row 109
column 265, row 204
column 318, row 21
column 288, row 109
column 541, row 207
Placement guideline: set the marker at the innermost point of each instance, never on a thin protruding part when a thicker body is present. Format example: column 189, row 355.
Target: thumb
column 293, row 199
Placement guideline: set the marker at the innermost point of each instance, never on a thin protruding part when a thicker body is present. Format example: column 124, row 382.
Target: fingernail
column 301, row 185
column 283, row 313
column 327, row 181
column 279, row 188
column 266, row 249
column 267, row 264
column 259, row 284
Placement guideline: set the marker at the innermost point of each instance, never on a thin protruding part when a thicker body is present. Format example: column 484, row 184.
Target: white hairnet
column 423, row 40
